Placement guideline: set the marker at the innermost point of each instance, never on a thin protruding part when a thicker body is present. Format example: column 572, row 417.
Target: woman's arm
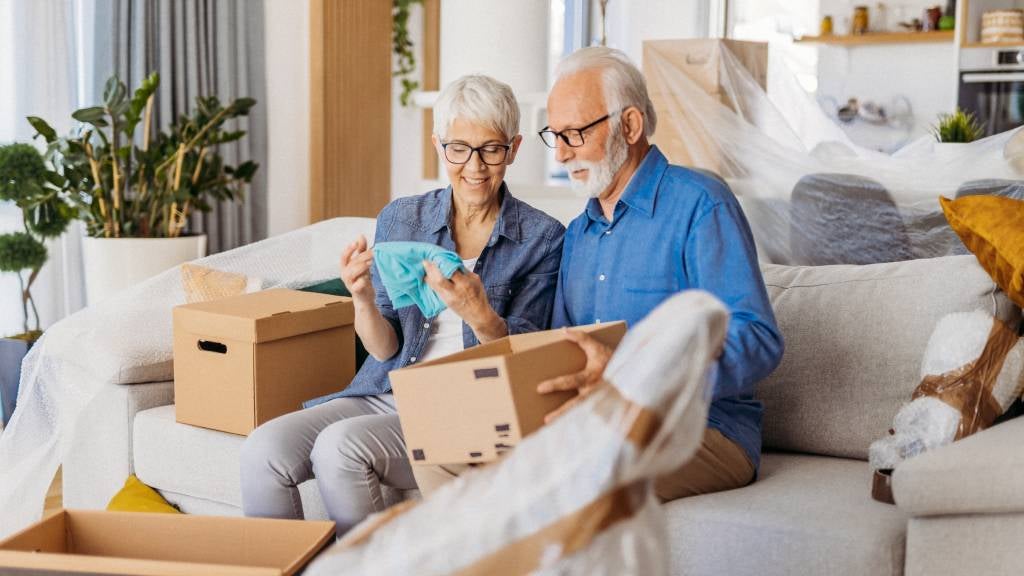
column 464, row 293
column 376, row 332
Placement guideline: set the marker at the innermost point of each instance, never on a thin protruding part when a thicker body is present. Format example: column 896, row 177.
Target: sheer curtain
column 45, row 56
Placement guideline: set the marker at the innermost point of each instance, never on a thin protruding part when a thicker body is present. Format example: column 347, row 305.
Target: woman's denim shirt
column 518, row 267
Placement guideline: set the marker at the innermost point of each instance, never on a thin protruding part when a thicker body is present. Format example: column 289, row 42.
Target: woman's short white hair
column 479, row 99
column 624, row 85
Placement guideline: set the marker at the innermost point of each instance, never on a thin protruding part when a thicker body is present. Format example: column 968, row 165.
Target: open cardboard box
column 98, row 542
column 243, row 360
column 476, row 404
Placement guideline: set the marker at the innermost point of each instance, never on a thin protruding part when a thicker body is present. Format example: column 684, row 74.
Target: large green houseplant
column 131, row 184
column 135, row 186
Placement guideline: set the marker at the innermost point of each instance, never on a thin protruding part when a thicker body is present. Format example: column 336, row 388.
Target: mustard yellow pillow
column 992, row 227
column 137, row 497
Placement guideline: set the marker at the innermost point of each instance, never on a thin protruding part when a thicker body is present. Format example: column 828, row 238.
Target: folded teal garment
column 400, row 265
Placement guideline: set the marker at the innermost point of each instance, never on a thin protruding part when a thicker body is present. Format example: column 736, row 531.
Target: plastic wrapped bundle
column 972, row 371
column 576, row 496
column 810, row 194
column 126, row 340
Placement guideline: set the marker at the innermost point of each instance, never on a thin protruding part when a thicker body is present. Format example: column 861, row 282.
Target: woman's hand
column 464, row 294
column 355, row 271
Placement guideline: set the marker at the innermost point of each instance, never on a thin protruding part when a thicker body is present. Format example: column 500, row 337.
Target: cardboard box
column 241, row 361
column 474, row 405
column 97, row 542
column 680, row 135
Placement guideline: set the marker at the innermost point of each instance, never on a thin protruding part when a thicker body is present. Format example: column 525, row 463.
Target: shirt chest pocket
column 500, row 295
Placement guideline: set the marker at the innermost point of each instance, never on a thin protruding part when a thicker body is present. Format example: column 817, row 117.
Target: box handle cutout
column 485, row 373
column 210, row 346
column 476, row 454
column 417, row 454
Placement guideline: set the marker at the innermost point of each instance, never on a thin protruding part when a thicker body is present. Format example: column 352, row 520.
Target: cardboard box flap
column 157, row 539
column 608, row 333
column 265, row 316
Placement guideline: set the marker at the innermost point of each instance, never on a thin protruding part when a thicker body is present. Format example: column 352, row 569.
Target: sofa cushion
column 855, row 338
column 197, row 469
column 804, row 515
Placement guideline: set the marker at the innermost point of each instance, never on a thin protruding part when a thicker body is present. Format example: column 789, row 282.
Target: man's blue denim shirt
column 518, row 267
column 672, row 230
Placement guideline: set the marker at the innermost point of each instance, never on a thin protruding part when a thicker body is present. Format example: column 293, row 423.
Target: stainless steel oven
column 992, row 87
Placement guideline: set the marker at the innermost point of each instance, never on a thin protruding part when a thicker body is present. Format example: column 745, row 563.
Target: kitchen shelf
column 877, row 38
column 993, row 45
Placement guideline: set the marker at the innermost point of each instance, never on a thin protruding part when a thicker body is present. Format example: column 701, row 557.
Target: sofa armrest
column 97, row 455
column 981, row 474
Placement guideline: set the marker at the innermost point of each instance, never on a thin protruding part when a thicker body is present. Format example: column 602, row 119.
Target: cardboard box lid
column 265, row 316
column 158, row 544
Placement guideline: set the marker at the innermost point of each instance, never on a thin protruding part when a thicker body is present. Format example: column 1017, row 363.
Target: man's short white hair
column 624, row 85
column 479, row 99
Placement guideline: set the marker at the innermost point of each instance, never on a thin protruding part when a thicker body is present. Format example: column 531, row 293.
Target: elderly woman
column 511, row 252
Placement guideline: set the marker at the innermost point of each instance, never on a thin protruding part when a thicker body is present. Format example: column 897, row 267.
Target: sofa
column 855, row 337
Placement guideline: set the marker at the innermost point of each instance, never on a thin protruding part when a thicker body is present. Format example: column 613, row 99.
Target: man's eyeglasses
column 573, row 137
column 490, row 154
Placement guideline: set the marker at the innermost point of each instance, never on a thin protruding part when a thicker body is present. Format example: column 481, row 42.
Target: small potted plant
column 135, row 187
column 24, row 180
column 960, row 127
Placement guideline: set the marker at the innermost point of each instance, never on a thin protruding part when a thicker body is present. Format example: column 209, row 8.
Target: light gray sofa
column 855, row 337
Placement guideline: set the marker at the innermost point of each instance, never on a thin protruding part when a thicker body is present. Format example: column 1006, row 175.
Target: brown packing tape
column 968, row 389
column 571, row 533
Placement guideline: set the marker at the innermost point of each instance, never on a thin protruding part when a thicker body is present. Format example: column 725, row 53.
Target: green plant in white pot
column 136, row 187
column 44, row 214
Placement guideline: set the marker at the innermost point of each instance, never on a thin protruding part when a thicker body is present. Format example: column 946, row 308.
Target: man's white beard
column 600, row 174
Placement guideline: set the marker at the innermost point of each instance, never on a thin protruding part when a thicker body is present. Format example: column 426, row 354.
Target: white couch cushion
column 199, row 470
column 855, row 337
column 804, row 515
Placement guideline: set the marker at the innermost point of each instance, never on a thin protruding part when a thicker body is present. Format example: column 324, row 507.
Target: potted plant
column 135, row 187
column 24, row 181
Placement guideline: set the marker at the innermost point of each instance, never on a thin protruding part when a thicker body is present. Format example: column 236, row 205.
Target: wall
column 288, row 110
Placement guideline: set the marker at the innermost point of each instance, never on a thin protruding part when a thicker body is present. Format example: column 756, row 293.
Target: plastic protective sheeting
column 576, row 497
column 128, row 339
column 812, row 196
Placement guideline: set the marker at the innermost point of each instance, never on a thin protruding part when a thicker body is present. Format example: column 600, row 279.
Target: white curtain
column 45, row 58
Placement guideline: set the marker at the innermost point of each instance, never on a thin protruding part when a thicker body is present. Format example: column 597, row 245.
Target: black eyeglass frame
column 477, row 150
column 562, row 133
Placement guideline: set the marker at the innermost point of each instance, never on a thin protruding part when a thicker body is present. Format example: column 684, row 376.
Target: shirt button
column 411, row 360
column 601, row 277
column 607, row 232
column 597, row 320
column 426, row 324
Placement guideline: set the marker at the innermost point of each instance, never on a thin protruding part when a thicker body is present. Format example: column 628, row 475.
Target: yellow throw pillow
column 137, row 497
column 992, row 227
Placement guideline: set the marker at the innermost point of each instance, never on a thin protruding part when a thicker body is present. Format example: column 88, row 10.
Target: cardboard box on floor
column 243, row 360
column 98, row 542
column 680, row 135
column 474, row 405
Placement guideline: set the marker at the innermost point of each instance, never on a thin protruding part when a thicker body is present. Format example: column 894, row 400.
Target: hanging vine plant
column 405, row 58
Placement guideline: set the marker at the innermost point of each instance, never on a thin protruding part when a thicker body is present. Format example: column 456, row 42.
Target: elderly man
column 649, row 230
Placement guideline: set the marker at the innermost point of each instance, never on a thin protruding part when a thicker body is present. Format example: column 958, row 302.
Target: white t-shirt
column 445, row 330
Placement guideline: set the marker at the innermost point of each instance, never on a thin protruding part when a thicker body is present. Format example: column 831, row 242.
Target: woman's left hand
column 464, row 294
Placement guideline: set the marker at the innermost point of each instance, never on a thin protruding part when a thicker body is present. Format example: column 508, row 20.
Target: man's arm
column 720, row 257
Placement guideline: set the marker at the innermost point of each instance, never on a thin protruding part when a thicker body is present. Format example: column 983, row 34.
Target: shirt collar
column 507, row 224
column 642, row 189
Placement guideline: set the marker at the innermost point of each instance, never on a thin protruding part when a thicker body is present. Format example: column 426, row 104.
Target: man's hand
column 585, row 381
column 355, row 271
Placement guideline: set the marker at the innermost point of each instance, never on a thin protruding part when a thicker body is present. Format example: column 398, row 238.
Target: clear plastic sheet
column 125, row 340
column 576, row 497
column 811, row 195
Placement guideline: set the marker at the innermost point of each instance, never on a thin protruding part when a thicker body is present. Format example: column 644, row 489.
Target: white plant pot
column 113, row 264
